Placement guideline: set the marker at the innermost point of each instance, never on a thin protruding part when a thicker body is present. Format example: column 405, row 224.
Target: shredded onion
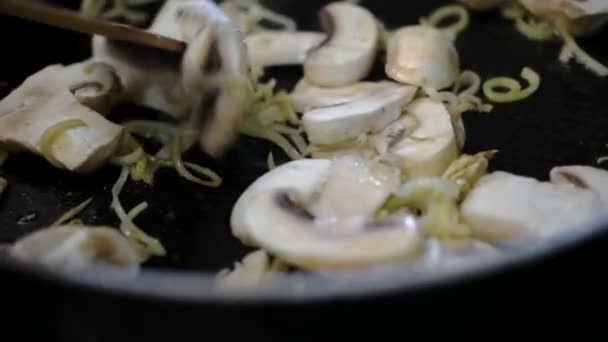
column 72, row 213
column 127, row 227
column 3, row 157
column 255, row 130
column 445, row 12
column 249, row 14
column 534, row 30
column 571, row 48
column 436, row 198
column 182, row 168
column 602, row 160
column 514, row 90
column 270, row 162
column 51, row 135
column 3, row 185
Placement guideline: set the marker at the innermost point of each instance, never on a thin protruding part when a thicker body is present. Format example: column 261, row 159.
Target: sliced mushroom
column 585, row 177
column 451, row 254
column 306, row 97
column 211, row 82
column 427, row 150
column 573, row 9
column 348, row 54
column 77, row 248
column 423, row 56
column 223, row 45
column 95, row 85
column 505, row 206
column 316, row 214
column 276, row 48
column 484, row 4
column 150, row 79
column 372, row 113
column 47, row 99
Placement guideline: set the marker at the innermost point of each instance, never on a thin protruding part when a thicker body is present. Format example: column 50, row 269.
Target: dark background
column 564, row 123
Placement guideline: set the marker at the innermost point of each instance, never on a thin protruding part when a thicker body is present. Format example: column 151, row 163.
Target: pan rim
column 190, row 287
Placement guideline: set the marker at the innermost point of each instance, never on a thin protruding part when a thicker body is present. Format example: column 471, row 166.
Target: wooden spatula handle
column 71, row 20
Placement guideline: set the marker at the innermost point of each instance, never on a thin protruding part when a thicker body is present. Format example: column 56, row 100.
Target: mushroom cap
column 422, row 56
column 372, row 113
column 77, row 248
column 431, row 147
column 348, row 54
column 275, row 48
column 327, row 235
column 44, row 100
column 505, row 206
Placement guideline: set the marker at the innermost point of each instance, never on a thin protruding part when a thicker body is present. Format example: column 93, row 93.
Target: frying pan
column 565, row 122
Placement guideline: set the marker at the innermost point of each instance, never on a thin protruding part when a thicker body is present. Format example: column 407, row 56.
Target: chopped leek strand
column 182, row 170
column 534, row 30
column 72, row 213
column 52, row 134
column 3, row 185
column 571, row 48
column 443, row 13
column 127, row 227
column 3, row 157
column 602, row 160
column 491, row 88
column 270, row 162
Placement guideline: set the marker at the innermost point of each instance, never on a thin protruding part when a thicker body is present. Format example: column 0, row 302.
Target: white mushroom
column 211, row 82
column 150, row 79
column 47, row 99
column 504, row 206
column 423, row 56
column 316, row 214
column 372, row 113
column 452, row 254
column 585, row 177
column 306, row 97
column 219, row 45
column 573, row 9
column 423, row 143
column 348, row 54
column 276, row 48
column 77, row 248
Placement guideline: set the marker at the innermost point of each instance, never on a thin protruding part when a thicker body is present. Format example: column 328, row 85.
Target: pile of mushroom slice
column 213, row 70
column 74, row 248
column 57, row 94
column 320, row 213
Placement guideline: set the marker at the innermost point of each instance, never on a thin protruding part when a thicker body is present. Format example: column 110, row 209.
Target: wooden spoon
column 73, row 21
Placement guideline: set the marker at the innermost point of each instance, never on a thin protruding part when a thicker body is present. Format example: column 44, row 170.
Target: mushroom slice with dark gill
column 318, row 214
column 216, row 65
column 503, row 206
column 44, row 115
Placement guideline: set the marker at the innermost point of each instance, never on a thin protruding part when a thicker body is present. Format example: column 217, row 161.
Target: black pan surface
column 565, row 122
